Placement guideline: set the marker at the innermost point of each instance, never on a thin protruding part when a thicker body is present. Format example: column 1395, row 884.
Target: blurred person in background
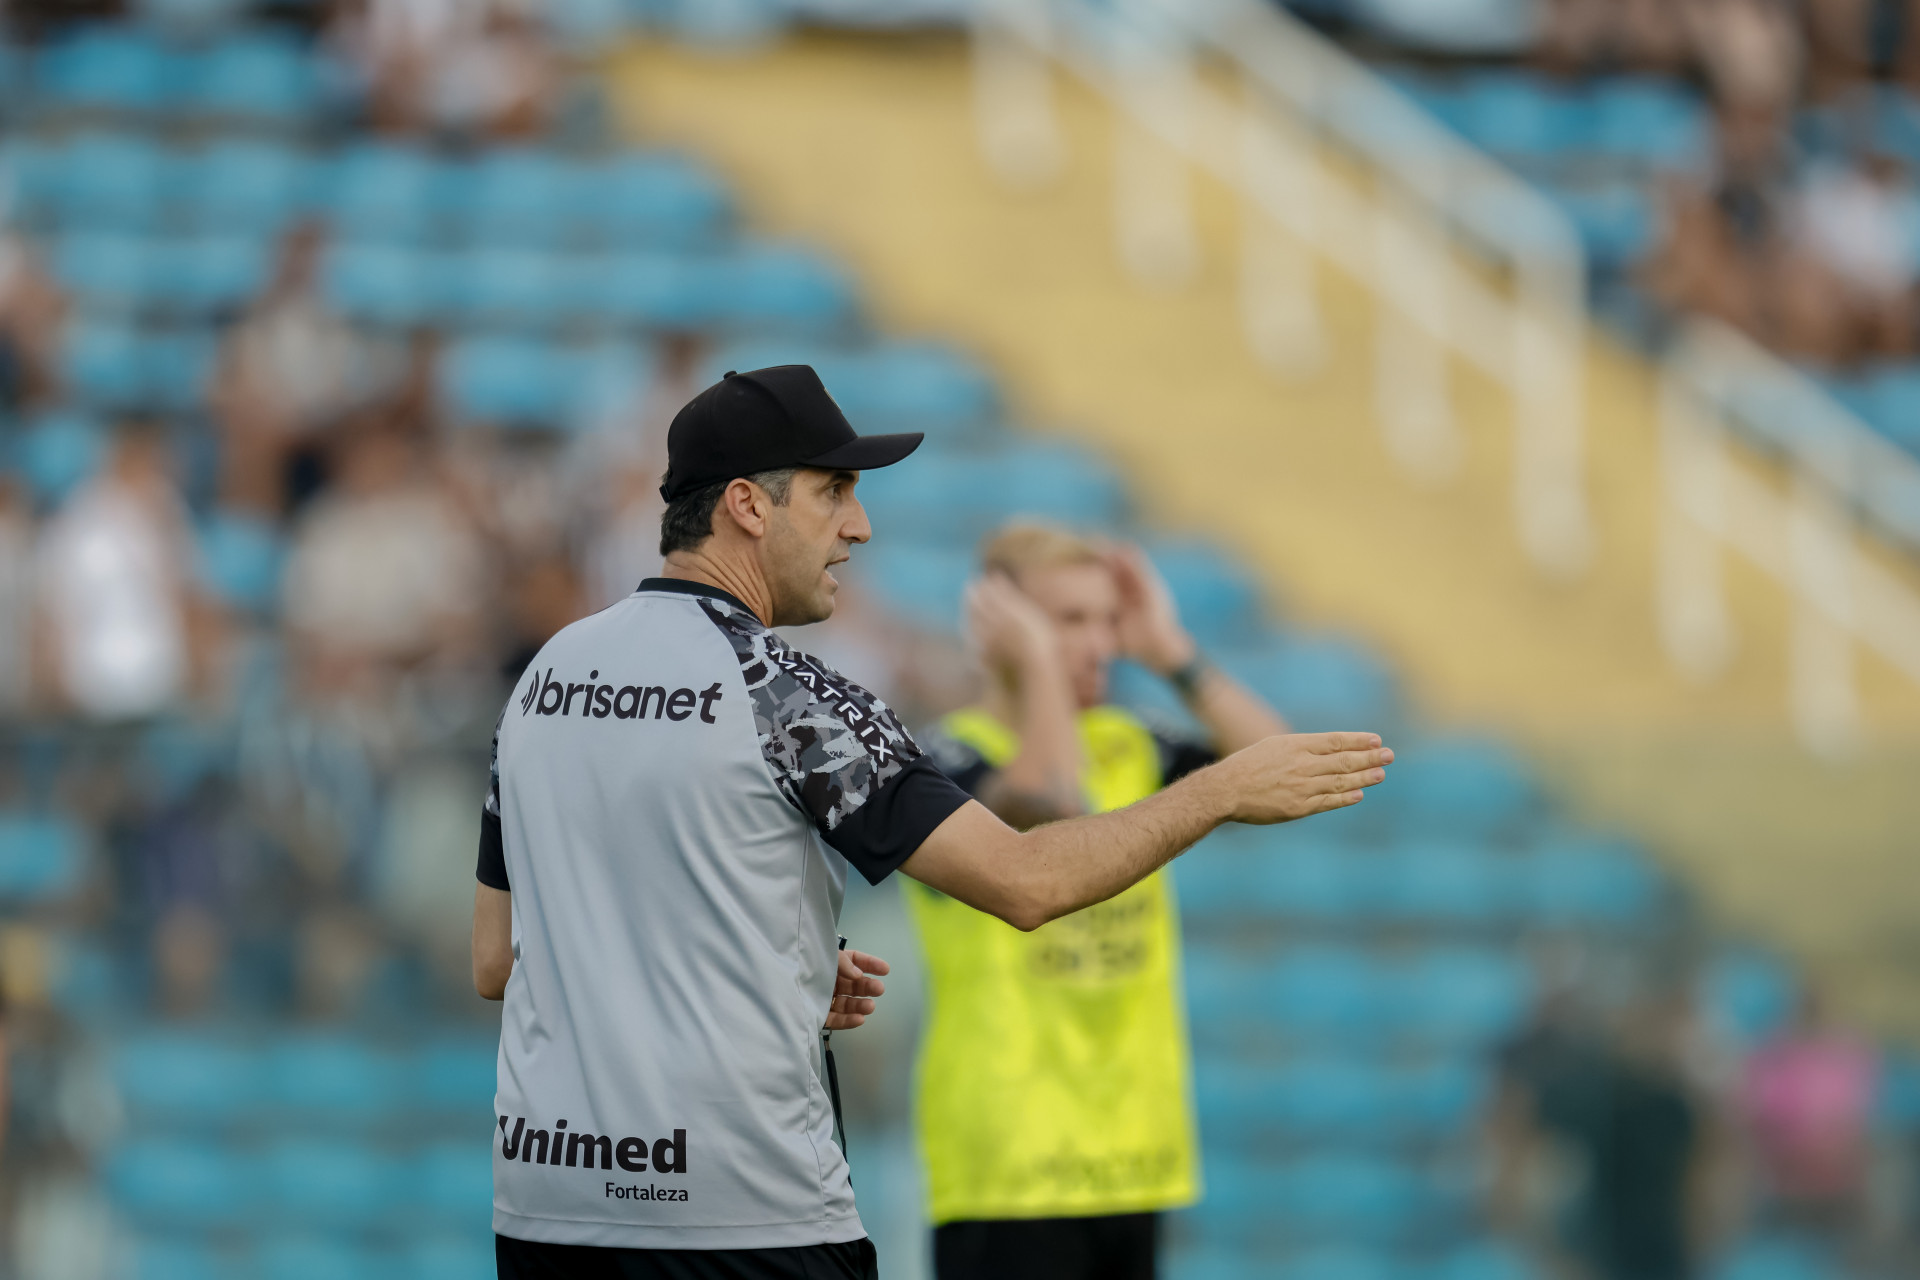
column 1586, row 35
column 1806, row 1101
column 16, row 597
column 468, row 67
column 1053, row 1078
column 125, row 631
column 1855, row 220
column 31, row 311
column 385, row 575
column 292, row 370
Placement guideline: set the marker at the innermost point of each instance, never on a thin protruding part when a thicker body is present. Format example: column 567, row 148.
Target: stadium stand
column 1347, row 982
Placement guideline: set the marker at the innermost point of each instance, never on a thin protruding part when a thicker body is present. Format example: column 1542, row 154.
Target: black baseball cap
column 764, row 420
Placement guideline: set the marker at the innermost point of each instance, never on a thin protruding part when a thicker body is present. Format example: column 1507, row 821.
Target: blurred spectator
column 1807, row 1099
column 1855, row 221
column 545, row 595
column 1582, row 35
column 385, row 573
column 189, row 955
column 293, row 369
column 16, row 597
column 31, row 309
column 466, row 67
column 125, row 632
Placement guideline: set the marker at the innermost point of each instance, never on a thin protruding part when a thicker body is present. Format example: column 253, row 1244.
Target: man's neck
column 742, row 581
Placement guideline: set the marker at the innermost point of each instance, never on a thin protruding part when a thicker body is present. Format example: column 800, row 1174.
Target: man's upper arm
column 963, row 857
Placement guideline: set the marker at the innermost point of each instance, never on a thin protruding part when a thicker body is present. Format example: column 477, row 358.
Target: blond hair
column 1018, row 548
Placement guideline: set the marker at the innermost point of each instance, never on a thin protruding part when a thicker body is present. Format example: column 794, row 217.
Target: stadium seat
column 1459, row 787
column 1588, row 881
column 451, row 1183
column 181, row 1183
column 382, row 284
column 58, row 451
column 453, row 1257
column 1226, row 995
column 323, row 1257
column 104, row 365
column 512, row 288
column 653, row 289
column 913, row 387
column 1439, row 1100
column 1460, row 996
column 330, row 1183
column 108, row 67
column 505, row 381
column 1777, row 1259
column 109, row 273
column 1444, row 882
column 171, row 1258
column 240, row 560
column 384, row 192
column 1316, row 991
column 177, row 367
column 1520, row 115
column 1317, row 683
column 1249, row 872
column 1217, row 598
column 259, row 76
column 523, row 197
column 1748, row 993
column 189, row 1080
column 653, row 202
column 247, row 184
column 1617, row 221
column 1351, row 1193
column 1893, row 405
column 334, row 1078
column 1656, row 122
column 1486, row 1261
column 1332, row 1098
column 772, row 287
column 1341, row 1263
column 918, row 582
column 211, row 276
column 42, row 858
column 454, row 1075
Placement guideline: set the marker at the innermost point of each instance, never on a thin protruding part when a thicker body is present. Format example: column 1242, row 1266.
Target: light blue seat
column 1315, row 991
column 1218, row 600
column 1445, row 882
column 1439, row 1100
column 1341, row 1262
column 111, row 181
column 382, row 284
column 1459, row 787
column 778, row 288
column 105, row 364
column 327, row 1182
column 920, row 583
column 455, row 1075
column 1340, row 1194
column 241, row 557
column 1749, row 993
column 58, row 451
column 1246, row 1201
column 506, row 381
column 169, row 1078
column 510, row 288
column 165, row 1258
column 256, row 76
column 1333, row 1098
column 452, row 1257
column 42, row 857
column 1521, row 115
column 654, row 289
column 1893, row 405
column 181, row 1183
column 177, row 366
column 323, row 1257
column 1226, row 995
column 523, row 196
column 1235, row 1100
column 1654, row 121
column 653, row 201
column 1319, row 683
column 335, row 1078
column 1486, row 1260
column 1896, row 1106
column 1461, row 996
column 210, row 276
column 108, row 66
column 451, row 1183
column 1618, row 222
column 1243, row 872
column 1775, row 1259
column 912, row 387
column 385, row 192
column 1591, row 881
column 247, row 184
column 1213, row 1262
column 108, row 272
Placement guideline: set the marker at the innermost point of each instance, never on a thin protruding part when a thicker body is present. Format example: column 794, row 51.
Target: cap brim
column 864, row 453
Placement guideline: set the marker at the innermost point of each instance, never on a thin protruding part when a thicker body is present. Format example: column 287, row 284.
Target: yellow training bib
column 1053, row 1078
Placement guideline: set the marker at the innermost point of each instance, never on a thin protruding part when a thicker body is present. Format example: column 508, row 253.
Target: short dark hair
column 688, row 519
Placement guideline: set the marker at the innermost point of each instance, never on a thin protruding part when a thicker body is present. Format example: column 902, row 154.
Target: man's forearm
column 1042, row 781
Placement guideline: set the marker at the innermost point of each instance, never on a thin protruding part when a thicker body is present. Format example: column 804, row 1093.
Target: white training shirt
column 676, row 795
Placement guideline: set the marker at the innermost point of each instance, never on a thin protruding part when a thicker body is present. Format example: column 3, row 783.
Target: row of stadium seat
column 1384, row 1197
column 1760, row 1259
column 1423, row 880
column 42, row 858
column 1527, row 117
column 185, row 1183
column 257, row 75
column 535, row 197
column 1337, row 1098
column 312, row 1257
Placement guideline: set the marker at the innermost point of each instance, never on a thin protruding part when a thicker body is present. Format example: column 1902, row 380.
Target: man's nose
column 857, row 528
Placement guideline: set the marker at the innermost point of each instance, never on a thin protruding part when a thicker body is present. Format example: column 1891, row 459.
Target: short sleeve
column 492, row 870
column 834, row 749
column 960, row 761
column 1180, row 755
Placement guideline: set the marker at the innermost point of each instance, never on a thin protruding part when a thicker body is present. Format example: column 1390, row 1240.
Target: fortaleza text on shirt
column 586, row 1150
column 546, row 696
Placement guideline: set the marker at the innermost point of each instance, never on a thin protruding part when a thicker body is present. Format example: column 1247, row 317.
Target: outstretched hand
column 855, row 990
column 1297, row 775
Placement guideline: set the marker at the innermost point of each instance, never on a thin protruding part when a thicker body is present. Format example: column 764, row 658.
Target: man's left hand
column 855, row 989
column 1150, row 630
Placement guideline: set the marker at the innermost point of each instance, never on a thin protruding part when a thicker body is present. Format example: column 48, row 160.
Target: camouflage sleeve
column 492, row 871
column 837, row 752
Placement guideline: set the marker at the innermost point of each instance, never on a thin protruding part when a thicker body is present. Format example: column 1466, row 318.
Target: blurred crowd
column 1803, row 231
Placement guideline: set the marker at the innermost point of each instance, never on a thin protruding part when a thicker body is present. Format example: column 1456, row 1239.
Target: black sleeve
column 492, row 871
column 493, row 855
column 1180, row 755
column 896, row 819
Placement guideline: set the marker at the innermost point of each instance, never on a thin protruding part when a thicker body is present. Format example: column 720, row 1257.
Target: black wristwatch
column 1186, row 679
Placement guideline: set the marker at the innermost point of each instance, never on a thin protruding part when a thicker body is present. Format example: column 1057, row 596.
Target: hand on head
column 1004, row 626
column 1149, row 622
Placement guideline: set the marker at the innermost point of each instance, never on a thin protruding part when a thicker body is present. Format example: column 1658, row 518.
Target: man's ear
column 747, row 505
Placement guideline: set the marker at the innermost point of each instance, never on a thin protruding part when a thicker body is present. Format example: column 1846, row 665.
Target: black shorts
column 526, row 1260
column 1121, row 1247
